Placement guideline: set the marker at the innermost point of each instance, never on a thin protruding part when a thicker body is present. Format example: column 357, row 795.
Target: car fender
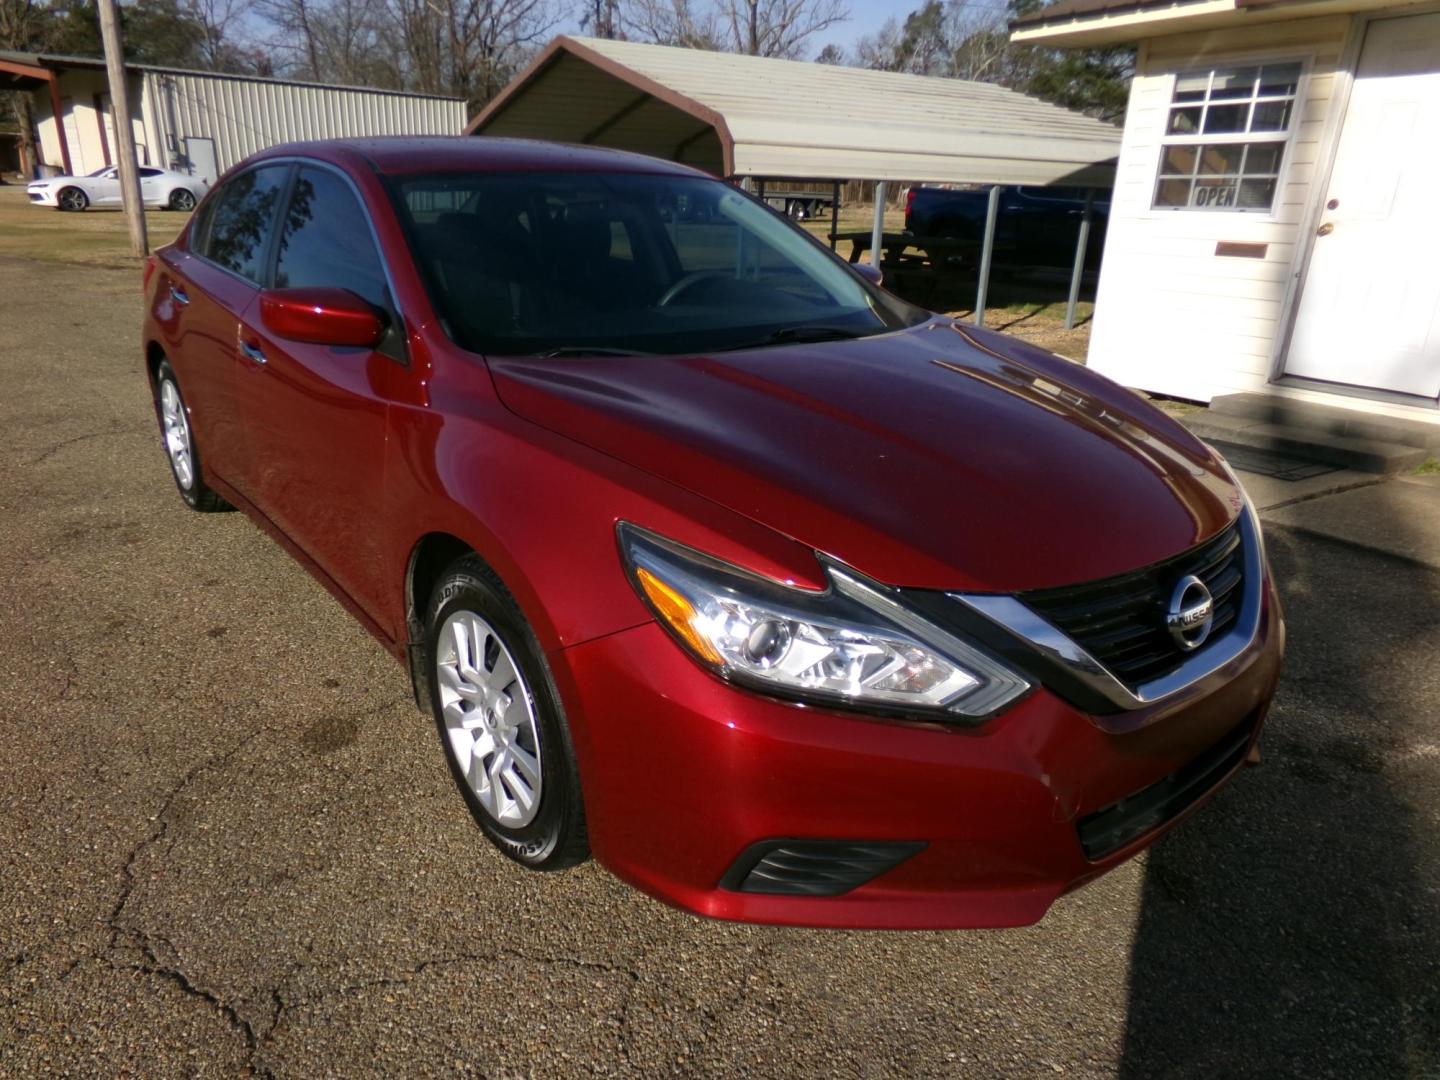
column 503, row 486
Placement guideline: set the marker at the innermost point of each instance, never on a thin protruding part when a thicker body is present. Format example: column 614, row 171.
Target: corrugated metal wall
column 244, row 116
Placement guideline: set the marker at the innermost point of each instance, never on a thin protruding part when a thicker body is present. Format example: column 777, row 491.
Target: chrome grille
column 1120, row 621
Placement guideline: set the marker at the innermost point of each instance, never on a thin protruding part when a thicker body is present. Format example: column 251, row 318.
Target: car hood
column 937, row 457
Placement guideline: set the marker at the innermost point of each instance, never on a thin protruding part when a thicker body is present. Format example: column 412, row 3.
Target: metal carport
column 753, row 118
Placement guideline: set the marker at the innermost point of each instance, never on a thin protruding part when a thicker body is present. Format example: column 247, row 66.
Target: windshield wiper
column 588, row 350
column 796, row 335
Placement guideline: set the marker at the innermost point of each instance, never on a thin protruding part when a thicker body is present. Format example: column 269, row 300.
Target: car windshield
column 605, row 263
column 97, row 173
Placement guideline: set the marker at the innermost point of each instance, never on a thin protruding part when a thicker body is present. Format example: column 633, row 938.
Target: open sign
column 1214, row 195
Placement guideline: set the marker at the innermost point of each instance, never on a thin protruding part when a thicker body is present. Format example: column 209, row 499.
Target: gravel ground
column 228, row 843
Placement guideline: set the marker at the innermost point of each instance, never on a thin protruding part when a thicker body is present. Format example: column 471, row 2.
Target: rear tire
column 178, row 441
column 181, row 199
column 501, row 724
column 71, row 199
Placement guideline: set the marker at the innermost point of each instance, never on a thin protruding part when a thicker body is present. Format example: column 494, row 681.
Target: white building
column 1273, row 226
column 202, row 122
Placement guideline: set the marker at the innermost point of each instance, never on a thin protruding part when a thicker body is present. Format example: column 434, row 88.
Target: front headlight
column 854, row 645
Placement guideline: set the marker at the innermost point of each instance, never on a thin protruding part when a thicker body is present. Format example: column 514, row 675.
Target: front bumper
column 683, row 774
column 41, row 196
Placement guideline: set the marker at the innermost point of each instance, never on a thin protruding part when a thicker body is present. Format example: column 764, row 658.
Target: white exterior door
column 201, row 152
column 1369, row 312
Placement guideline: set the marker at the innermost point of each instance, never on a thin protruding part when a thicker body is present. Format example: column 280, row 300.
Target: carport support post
column 124, row 132
column 877, row 230
column 1081, row 244
column 834, row 212
column 992, row 211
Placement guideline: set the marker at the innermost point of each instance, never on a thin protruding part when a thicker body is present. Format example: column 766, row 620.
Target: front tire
column 500, row 721
column 71, row 199
column 182, row 199
column 179, row 443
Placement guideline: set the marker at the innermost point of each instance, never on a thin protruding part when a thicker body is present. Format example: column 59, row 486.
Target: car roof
column 396, row 155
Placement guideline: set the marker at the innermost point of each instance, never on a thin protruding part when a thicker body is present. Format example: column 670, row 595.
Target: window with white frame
column 1225, row 138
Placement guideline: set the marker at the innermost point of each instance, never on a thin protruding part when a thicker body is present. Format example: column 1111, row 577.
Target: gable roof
column 785, row 118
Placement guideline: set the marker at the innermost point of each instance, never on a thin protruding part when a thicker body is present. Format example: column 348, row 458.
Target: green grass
column 91, row 238
column 1430, row 468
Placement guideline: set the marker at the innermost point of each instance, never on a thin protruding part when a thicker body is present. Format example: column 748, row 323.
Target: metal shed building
column 747, row 116
column 204, row 122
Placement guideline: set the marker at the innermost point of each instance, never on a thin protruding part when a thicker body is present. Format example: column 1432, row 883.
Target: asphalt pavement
column 229, row 846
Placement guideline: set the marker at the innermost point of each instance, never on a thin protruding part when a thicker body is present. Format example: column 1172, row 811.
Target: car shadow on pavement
column 1291, row 928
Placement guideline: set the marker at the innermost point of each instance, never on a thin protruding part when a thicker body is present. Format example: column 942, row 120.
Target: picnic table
column 914, row 261
column 895, row 246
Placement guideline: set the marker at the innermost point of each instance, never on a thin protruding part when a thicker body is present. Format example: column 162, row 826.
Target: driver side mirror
column 870, row 273
column 321, row 317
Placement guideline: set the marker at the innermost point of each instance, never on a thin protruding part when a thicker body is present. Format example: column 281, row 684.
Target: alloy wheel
column 73, row 199
column 489, row 718
column 177, row 434
column 182, row 200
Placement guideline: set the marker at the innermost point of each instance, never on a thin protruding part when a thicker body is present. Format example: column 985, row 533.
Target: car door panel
column 316, row 416
column 104, row 189
column 315, row 423
column 151, row 182
column 201, row 307
column 204, row 294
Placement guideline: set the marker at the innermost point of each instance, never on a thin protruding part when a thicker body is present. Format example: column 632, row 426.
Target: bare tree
column 777, row 27
column 601, row 18
column 219, row 21
column 344, row 41
column 672, row 22
column 880, row 51
column 487, row 41
column 953, row 38
column 465, row 48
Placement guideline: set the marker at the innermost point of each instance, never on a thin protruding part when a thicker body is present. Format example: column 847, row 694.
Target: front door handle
column 179, row 296
column 252, row 353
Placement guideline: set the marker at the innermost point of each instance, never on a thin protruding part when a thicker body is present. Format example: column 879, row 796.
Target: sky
column 867, row 16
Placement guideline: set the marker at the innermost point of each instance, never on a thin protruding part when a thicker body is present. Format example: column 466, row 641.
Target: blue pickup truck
column 1035, row 227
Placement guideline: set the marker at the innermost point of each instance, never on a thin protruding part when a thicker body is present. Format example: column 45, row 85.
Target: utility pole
column 124, row 133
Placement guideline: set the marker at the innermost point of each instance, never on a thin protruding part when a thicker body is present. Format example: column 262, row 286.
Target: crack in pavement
column 406, row 975
column 135, row 948
column 144, row 942
column 57, row 447
column 123, row 933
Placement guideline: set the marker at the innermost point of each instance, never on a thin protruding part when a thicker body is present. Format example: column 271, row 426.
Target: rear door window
column 242, row 222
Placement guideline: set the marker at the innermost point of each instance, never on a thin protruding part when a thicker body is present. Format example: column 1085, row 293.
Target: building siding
column 245, row 116
column 242, row 116
column 1172, row 317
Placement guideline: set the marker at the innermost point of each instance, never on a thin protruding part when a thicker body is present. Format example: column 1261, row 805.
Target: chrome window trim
column 1046, row 638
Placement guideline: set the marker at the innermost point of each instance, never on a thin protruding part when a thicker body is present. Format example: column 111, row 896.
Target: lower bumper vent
column 1107, row 831
column 813, row 867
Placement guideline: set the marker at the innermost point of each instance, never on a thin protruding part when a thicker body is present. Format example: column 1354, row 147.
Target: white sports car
column 158, row 188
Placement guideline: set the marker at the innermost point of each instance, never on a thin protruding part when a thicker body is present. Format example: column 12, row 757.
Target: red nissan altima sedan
column 791, row 602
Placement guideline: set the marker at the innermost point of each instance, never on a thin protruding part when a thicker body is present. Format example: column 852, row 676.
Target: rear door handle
column 252, row 353
column 179, row 296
